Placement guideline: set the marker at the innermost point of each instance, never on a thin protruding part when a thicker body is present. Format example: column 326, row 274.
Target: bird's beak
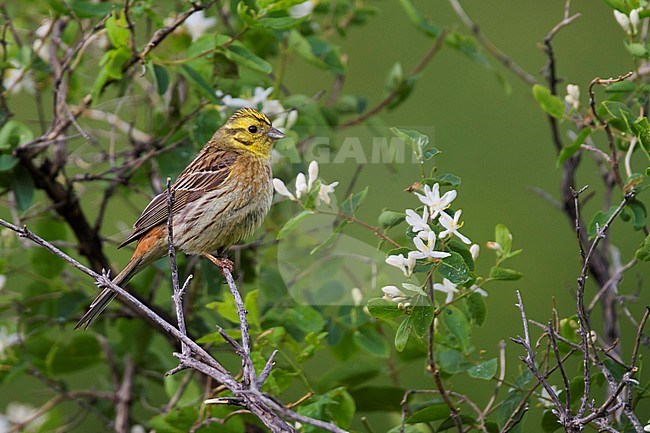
column 275, row 133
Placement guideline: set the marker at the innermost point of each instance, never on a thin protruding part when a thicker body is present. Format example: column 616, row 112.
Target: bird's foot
column 221, row 262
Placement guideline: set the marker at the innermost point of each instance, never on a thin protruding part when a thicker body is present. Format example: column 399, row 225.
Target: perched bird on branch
column 221, row 197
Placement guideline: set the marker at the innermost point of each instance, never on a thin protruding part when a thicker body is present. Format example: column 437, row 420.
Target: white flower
column 494, row 246
column 393, row 294
column 418, row 223
column 6, row 340
column 282, row 189
column 357, row 296
column 545, row 398
column 446, row 287
column 285, row 120
column 452, row 225
column 573, row 96
column 41, row 46
column 138, row 429
column 282, row 119
column 634, row 19
column 17, row 79
column 3, row 281
column 646, row 428
column 302, row 9
column 406, row 264
column 478, row 290
column 19, row 413
column 474, row 250
column 426, row 250
column 629, row 24
column 301, row 185
column 197, row 24
column 312, row 171
column 325, row 191
column 433, row 199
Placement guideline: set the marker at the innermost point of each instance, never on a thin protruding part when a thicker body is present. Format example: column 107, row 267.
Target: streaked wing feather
column 204, row 174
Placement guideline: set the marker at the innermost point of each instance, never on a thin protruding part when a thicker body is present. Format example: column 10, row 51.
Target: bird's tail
column 107, row 295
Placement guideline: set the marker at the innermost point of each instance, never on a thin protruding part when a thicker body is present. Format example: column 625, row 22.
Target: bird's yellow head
column 252, row 131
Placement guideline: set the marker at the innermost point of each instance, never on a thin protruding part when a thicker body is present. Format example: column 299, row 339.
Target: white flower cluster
column 17, row 414
column 282, row 119
column 573, row 96
column 629, row 23
column 304, row 185
column 425, row 242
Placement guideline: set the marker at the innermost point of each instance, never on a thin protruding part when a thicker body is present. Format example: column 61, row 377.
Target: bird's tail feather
column 107, row 295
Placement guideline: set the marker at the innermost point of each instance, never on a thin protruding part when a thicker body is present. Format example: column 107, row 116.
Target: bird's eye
column 252, row 129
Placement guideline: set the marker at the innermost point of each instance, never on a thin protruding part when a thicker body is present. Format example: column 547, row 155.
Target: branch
column 393, row 93
column 247, row 393
column 608, row 129
column 490, row 47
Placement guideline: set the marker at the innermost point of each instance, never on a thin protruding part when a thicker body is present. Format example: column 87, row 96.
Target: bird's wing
column 204, row 174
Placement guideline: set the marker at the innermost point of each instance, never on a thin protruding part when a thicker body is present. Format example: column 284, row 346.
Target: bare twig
column 265, row 408
column 608, row 130
column 440, row 39
column 490, row 47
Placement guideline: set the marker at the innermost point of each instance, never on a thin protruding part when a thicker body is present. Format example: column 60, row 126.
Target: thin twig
column 490, row 47
column 391, row 95
column 608, row 129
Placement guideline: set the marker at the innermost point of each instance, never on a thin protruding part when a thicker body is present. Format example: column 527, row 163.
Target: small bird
column 220, row 198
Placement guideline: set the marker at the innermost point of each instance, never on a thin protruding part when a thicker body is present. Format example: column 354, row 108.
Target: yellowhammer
column 220, row 198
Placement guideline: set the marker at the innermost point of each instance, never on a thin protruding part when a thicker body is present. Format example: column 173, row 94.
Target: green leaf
column 368, row 339
column 162, row 78
column 87, row 9
column 280, row 23
column 252, row 308
column 550, row 422
column 421, row 318
column 457, row 324
column 226, row 308
column 45, row 263
column 485, row 370
column 7, row 162
column 636, row 49
column 476, row 307
column 389, row 218
column 643, row 253
column 551, row 104
column 111, row 68
column 622, row 116
column 316, row 51
column 620, row 87
column 117, row 30
column 598, row 220
column 454, row 269
column 504, row 274
column 293, row 224
column 403, row 333
column 23, row 188
column 13, row 134
column 568, row 151
column 447, row 179
column 383, row 309
column 352, row 203
column 377, row 398
column 203, row 85
column 80, row 352
column 639, row 213
column 435, row 412
column 415, row 139
column 241, row 55
column 420, row 22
